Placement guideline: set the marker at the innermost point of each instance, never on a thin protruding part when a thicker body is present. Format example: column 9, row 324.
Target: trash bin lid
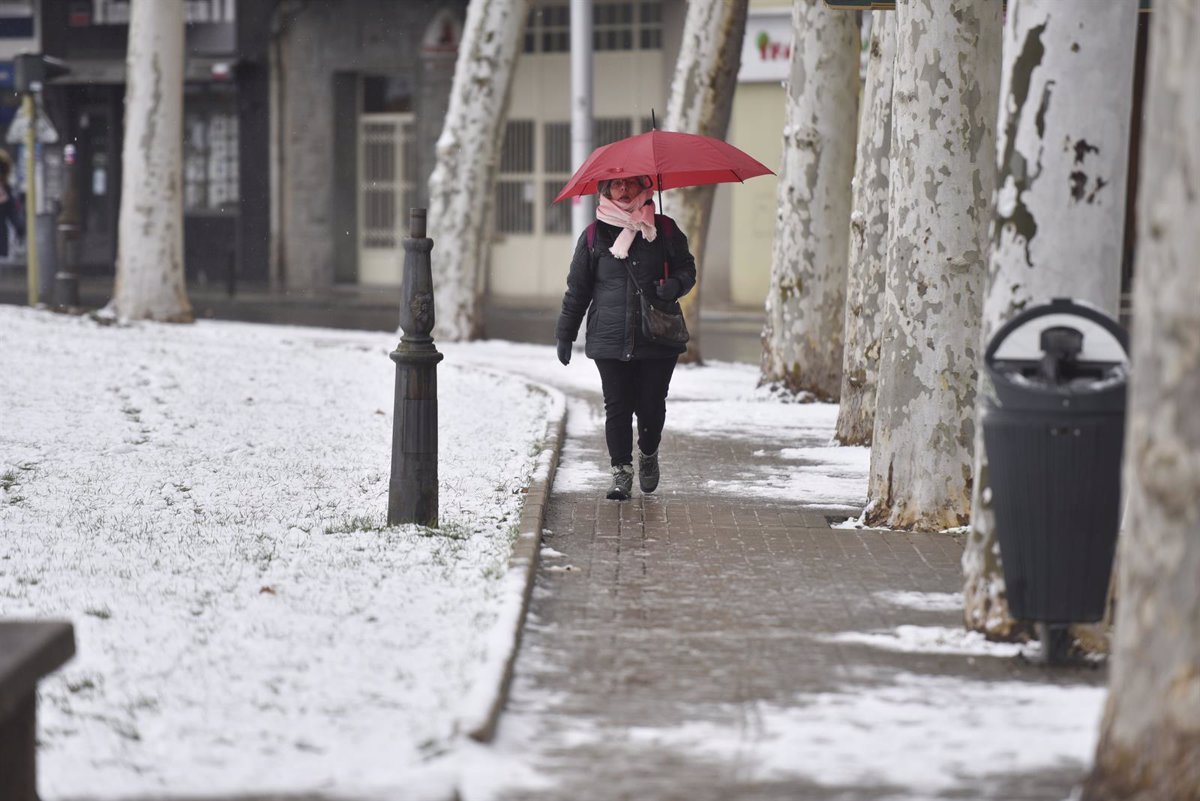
column 1025, row 356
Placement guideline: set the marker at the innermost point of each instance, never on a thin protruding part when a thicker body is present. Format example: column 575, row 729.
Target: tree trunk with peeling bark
column 150, row 282
column 943, row 166
column 701, row 101
column 1150, row 739
column 464, row 175
column 867, row 267
column 1059, row 222
column 806, row 301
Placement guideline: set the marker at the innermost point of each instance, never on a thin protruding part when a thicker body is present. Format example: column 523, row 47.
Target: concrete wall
column 314, row 43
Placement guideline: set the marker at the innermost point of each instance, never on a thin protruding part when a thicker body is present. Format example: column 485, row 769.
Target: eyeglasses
column 635, row 182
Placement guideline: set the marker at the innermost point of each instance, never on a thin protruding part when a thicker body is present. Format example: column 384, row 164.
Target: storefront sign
column 767, row 48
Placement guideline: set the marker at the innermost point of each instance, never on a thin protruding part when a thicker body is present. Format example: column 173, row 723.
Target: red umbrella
column 671, row 159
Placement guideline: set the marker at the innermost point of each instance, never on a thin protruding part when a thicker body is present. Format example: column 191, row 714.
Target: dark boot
column 648, row 471
column 622, row 486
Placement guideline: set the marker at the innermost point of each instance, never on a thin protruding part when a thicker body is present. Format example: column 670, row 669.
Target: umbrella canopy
column 671, row 159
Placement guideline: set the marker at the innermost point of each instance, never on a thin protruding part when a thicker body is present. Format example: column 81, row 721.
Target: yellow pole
column 31, row 254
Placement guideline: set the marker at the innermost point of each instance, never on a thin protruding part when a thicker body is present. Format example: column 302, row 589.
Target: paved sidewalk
column 678, row 639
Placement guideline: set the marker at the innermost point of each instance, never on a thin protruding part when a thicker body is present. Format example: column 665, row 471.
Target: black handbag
column 662, row 327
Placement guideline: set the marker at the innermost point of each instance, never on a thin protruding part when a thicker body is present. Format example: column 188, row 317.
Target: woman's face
column 623, row 190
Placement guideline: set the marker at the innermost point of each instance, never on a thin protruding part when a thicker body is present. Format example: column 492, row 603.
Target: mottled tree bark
column 867, row 267
column 700, row 103
column 1150, row 738
column 150, row 282
column 944, row 101
column 464, row 176
column 806, row 302
column 1058, row 229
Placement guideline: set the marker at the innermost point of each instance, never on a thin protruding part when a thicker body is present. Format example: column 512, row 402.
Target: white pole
column 581, row 105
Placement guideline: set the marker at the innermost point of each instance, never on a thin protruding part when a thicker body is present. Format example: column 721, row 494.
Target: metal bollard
column 413, row 489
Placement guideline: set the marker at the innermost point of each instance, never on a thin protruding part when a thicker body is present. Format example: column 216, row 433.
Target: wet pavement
column 693, row 644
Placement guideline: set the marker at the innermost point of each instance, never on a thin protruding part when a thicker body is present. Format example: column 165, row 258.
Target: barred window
column 210, row 164
column 386, row 163
column 515, row 186
column 516, row 154
column 611, row 129
column 514, row 207
column 558, row 215
column 557, row 156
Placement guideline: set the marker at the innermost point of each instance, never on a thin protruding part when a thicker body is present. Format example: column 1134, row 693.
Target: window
column 610, row 129
column 16, row 19
column 532, row 171
column 650, row 29
column 387, row 170
column 116, row 12
column 557, row 165
column 210, row 165
column 514, row 183
column 627, row 25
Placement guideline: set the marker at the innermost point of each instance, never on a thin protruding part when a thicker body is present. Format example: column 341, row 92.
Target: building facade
column 310, row 130
column 225, row 177
column 636, row 43
column 359, row 92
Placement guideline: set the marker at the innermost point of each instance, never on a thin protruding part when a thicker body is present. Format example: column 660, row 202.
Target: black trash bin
column 1054, row 432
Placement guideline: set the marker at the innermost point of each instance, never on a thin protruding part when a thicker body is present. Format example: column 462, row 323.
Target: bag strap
column 632, row 277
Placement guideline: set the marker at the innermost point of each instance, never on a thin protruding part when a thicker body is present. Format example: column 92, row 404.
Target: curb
column 522, row 569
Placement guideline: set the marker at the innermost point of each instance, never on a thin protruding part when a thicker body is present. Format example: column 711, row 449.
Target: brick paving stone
column 693, row 606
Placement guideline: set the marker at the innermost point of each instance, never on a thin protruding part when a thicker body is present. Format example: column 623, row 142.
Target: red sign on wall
column 767, row 48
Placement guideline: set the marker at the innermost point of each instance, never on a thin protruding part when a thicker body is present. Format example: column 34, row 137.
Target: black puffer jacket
column 600, row 285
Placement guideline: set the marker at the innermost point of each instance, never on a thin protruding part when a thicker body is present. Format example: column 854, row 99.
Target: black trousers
column 634, row 387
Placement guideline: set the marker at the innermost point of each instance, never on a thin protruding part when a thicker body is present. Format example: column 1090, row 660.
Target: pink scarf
column 636, row 217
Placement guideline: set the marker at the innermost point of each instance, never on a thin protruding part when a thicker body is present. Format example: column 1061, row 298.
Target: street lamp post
column 31, row 72
column 413, row 488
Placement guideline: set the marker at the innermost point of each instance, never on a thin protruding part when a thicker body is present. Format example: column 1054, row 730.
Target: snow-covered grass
column 207, row 505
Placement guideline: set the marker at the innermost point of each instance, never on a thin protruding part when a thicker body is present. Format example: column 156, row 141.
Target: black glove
column 668, row 289
column 564, row 351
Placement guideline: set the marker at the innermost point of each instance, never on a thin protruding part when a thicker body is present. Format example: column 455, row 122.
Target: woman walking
column 623, row 252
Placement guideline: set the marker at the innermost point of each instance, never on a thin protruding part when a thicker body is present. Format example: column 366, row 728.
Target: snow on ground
column 834, row 738
column 207, row 504
column 923, row 601
column 927, row 639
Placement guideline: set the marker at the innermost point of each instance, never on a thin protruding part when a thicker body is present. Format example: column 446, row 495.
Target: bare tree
column 464, row 176
column 150, row 283
column 944, row 101
column 802, row 338
column 1150, row 738
column 867, row 268
column 1058, row 229
column 700, row 103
